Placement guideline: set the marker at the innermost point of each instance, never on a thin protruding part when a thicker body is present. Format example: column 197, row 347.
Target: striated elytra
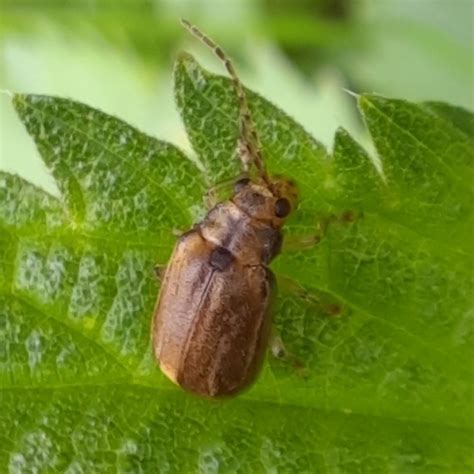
column 212, row 319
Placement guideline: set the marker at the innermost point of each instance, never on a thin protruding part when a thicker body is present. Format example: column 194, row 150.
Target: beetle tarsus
column 281, row 353
column 159, row 271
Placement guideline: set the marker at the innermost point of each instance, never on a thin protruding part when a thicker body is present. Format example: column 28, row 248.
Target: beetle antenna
column 250, row 142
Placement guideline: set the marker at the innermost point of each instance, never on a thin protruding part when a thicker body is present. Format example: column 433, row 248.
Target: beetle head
column 271, row 203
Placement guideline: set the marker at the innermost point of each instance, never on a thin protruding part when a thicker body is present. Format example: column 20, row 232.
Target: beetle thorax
column 256, row 201
column 249, row 240
column 269, row 202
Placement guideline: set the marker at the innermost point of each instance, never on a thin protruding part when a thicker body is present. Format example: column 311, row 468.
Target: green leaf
column 378, row 314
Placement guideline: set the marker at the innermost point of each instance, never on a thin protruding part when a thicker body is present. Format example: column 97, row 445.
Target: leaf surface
column 378, row 313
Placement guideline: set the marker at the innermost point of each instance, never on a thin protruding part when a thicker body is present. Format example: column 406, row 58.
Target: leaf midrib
column 69, row 235
column 130, row 373
column 28, row 302
column 170, row 389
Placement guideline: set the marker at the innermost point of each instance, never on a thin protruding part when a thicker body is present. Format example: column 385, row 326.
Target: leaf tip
column 185, row 59
column 365, row 101
column 187, row 68
column 351, row 93
column 186, row 64
column 341, row 132
column 18, row 100
column 7, row 92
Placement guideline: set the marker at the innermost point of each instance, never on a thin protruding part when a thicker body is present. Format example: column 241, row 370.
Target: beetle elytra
column 212, row 319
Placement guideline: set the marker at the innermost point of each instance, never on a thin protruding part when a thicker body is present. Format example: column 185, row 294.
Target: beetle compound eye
column 240, row 184
column 282, row 207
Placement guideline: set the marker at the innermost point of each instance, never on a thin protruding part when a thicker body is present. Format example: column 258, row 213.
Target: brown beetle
column 212, row 319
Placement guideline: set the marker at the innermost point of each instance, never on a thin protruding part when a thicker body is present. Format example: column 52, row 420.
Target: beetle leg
column 294, row 243
column 305, row 242
column 277, row 348
column 324, row 302
column 159, row 271
column 212, row 196
column 280, row 352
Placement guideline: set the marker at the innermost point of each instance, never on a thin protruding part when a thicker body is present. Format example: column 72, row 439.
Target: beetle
column 212, row 319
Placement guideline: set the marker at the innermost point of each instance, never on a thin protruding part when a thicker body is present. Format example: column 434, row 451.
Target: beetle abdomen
column 228, row 344
column 212, row 321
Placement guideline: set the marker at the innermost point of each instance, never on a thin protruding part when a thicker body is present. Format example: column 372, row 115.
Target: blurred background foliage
column 117, row 55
